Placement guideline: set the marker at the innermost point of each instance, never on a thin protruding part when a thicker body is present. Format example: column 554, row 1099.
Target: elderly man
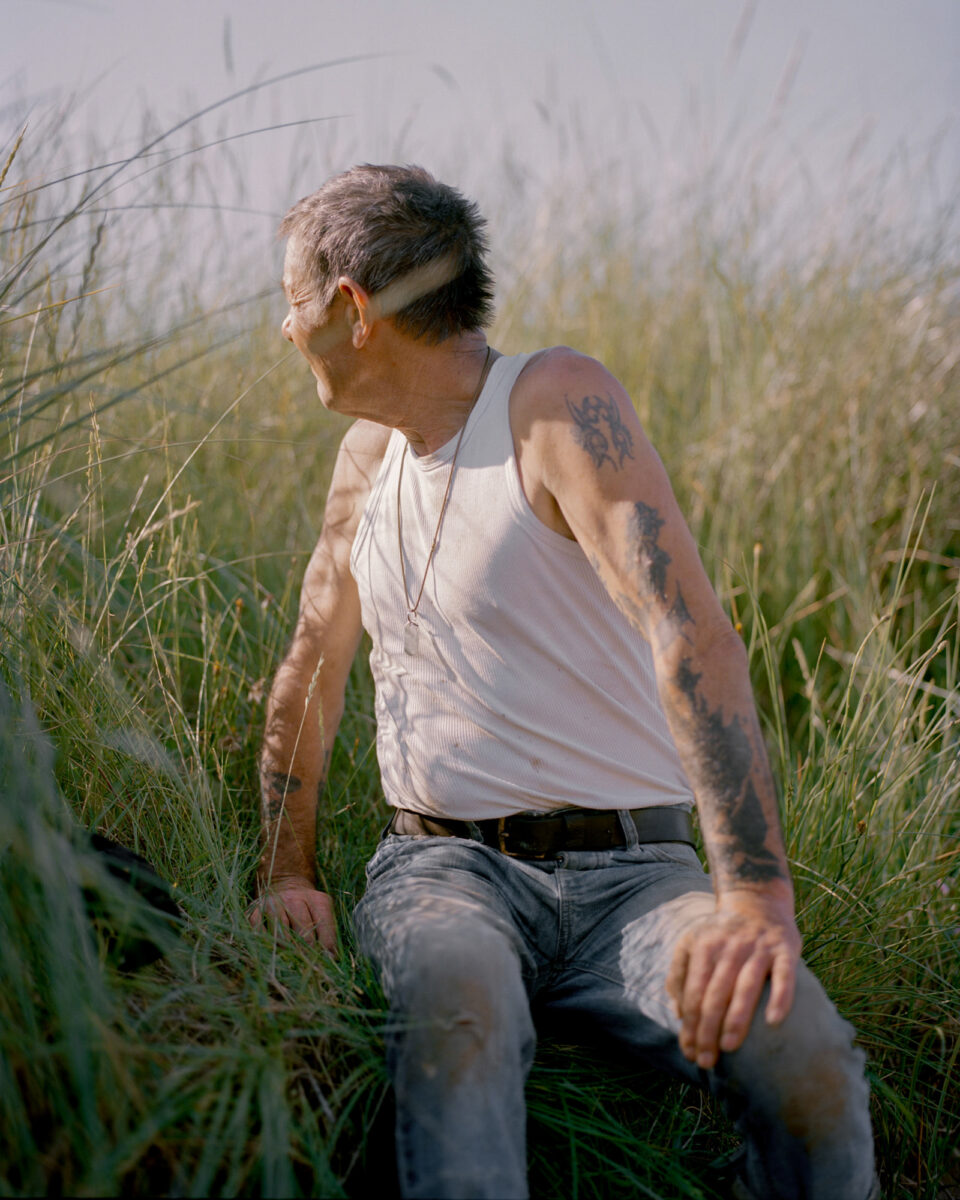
column 556, row 686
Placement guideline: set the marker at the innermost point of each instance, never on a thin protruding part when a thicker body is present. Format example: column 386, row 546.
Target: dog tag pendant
column 411, row 636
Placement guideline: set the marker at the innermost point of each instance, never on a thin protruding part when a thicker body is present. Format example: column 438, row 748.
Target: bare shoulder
column 566, row 400
column 557, row 372
column 358, row 461
column 364, row 445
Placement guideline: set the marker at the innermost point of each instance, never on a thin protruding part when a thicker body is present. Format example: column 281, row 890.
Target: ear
column 360, row 309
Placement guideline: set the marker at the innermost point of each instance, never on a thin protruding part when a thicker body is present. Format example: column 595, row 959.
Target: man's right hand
column 296, row 904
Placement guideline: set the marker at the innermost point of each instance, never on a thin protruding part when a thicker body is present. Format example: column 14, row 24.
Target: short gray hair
column 378, row 224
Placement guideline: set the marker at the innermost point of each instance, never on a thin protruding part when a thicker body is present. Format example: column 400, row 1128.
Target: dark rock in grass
column 137, row 934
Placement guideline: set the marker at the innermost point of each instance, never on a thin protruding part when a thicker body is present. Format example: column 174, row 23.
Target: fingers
column 723, row 984
column 296, row 913
column 742, row 1000
column 307, row 913
column 324, row 922
column 676, row 976
column 716, row 979
column 783, row 983
column 697, row 1019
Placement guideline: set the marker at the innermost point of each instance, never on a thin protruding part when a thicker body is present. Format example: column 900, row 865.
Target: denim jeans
column 467, row 940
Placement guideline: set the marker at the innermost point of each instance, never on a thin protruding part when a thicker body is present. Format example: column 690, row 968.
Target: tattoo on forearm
column 281, row 783
column 594, row 416
column 277, row 785
column 652, row 559
column 679, row 613
column 671, row 626
column 727, row 759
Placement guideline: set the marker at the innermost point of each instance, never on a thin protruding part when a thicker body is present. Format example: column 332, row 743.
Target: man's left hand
column 720, row 966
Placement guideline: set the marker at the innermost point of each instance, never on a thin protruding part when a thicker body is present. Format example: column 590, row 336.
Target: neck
column 429, row 391
column 448, row 405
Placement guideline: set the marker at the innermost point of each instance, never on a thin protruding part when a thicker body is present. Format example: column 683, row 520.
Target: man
column 556, row 686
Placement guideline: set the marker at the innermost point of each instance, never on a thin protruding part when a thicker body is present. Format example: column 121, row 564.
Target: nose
column 285, row 328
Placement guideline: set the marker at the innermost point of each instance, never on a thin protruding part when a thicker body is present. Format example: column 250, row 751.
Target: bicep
column 328, row 623
column 329, row 619
column 615, row 495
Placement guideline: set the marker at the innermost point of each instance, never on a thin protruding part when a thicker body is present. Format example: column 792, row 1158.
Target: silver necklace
column 411, row 631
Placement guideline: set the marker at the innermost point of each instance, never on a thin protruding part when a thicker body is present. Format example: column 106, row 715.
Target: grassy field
column 163, row 466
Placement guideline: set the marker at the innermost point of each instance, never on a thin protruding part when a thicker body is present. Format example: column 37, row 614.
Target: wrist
column 777, row 894
column 278, row 881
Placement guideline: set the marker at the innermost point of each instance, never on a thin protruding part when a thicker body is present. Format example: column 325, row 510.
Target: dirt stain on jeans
column 816, row 1106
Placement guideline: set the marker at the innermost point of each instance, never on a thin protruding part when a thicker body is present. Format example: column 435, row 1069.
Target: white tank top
column 529, row 689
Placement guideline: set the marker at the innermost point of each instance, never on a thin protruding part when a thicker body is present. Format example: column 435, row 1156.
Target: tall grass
column 163, row 466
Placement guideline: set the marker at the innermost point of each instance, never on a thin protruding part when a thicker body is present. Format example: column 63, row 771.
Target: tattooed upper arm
column 599, row 429
column 652, row 560
column 612, row 489
column 580, row 440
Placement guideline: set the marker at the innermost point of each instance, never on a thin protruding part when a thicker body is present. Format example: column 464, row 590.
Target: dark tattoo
column 680, row 613
column 589, row 416
column 282, row 784
column 668, row 628
column 276, row 787
column 671, row 625
column 727, row 759
column 653, row 560
column 686, row 681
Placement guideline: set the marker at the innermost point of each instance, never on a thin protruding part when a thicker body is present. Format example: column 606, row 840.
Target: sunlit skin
column 351, row 349
column 590, row 474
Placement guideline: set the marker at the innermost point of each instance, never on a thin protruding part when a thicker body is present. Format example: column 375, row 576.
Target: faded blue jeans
column 465, row 940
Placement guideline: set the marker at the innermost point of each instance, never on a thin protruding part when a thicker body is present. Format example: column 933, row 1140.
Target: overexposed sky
column 639, row 95
column 452, row 70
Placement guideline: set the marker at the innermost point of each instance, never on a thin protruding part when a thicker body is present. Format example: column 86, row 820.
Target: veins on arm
column 600, row 430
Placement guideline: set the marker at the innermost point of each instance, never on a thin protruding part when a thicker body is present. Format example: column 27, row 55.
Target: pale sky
column 641, row 94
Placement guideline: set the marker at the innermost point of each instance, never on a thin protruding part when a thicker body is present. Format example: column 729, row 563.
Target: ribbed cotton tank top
column 529, row 690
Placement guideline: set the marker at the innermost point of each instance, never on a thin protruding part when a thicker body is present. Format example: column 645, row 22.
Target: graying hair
column 392, row 225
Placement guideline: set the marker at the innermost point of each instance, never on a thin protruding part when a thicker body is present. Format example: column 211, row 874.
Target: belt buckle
column 502, row 836
column 528, row 851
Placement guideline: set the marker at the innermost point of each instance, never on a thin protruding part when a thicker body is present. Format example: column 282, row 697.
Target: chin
column 325, row 397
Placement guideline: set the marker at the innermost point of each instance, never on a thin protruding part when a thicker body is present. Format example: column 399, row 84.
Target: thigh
column 438, row 905
column 805, row 1069
column 626, row 922
column 438, row 923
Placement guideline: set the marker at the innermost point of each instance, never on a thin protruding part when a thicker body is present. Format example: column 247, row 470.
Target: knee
column 805, row 1076
column 459, row 980
column 459, row 1012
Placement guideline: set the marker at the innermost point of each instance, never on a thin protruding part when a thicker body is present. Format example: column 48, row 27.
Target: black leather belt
column 543, row 835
